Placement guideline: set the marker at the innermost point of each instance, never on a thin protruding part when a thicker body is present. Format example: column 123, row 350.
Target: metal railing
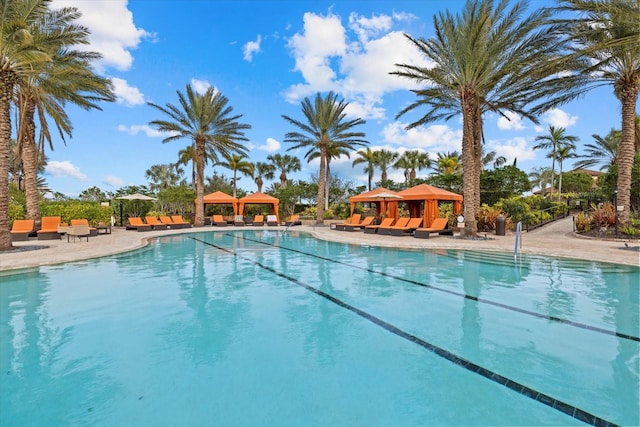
column 557, row 212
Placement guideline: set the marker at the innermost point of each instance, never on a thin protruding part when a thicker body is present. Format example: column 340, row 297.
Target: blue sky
column 265, row 57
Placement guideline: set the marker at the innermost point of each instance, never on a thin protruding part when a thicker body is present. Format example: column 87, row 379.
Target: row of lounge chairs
column 157, row 223
column 51, row 227
column 258, row 220
column 400, row 227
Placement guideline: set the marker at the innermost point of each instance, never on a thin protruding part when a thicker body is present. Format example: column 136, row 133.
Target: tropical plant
column 236, row 163
column 603, row 152
column 285, row 164
column 326, row 130
column 261, row 171
column 553, row 141
column 93, row 194
column 564, row 152
column 449, row 163
column 207, row 120
column 539, row 178
column 608, row 34
column 492, row 158
column 489, row 58
column 412, row 161
column 384, row 159
column 367, row 157
column 164, row 176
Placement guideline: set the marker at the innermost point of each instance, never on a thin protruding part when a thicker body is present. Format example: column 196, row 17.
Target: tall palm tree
column 67, row 77
column 334, row 151
column 492, row 158
column 608, row 34
column 556, row 138
column 261, row 171
column 384, row 159
column 285, row 164
column 449, row 163
column 236, row 163
column 603, row 152
column 489, row 58
column 368, row 157
column 162, row 177
column 326, row 129
column 207, row 120
column 20, row 53
column 565, row 151
column 415, row 160
column 540, row 177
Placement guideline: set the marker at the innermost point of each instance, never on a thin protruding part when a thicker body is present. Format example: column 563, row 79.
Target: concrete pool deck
column 555, row 240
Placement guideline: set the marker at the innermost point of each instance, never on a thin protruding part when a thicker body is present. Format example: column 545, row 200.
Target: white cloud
column 145, row 129
column 127, row 95
column 368, row 27
column 113, row 32
column 250, row 48
column 516, row 148
column 271, row 145
column 433, row 139
column 113, row 181
column 559, row 118
column 64, row 169
column 512, row 121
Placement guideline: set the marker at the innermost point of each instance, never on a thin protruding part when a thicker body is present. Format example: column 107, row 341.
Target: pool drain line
column 460, row 294
column 524, row 390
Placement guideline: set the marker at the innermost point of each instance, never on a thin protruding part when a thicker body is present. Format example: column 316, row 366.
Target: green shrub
column 16, row 211
column 583, row 223
column 73, row 209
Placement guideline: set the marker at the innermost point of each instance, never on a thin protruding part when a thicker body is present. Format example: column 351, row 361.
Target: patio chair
column 49, row 228
column 79, row 231
column 178, row 220
column 272, row 220
column 439, row 225
column 258, row 220
column 386, row 229
column 368, row 220
column 238, row 221
column 135, row 223
column 218, row 221
column 155, row 223
column 372, row 229
column 21, row 229
column 352, row 220
column 406, row 230
column 294, row 220
column 83, row 221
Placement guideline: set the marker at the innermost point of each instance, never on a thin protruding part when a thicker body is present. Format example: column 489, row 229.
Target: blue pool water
column 243, row 328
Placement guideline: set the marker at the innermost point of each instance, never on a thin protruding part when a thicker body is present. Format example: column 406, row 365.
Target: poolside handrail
column 518, row 232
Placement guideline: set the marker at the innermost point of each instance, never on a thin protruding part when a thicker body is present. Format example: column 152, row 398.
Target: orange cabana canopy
column 259, row 199
column 220, row 198
column 383, row 204
column 430, row 195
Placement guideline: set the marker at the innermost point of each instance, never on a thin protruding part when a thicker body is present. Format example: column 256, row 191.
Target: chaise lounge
column 386, row 229
column 258, row 220
column 21, row 229
column 178, row 220
column 410, row 227
column 155, row 223
column 439, row 225
column 352, row 220
column 294, row 220
column 218, row 221
column 49, row 228
column 135, row 223
column 272, row 220
column 372, row 229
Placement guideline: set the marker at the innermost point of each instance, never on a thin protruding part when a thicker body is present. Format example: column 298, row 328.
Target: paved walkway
column 556, row 239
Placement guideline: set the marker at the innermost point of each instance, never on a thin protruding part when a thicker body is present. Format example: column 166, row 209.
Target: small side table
column 104, row 229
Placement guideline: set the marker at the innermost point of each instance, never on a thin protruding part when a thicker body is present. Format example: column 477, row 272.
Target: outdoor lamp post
column 615, row 210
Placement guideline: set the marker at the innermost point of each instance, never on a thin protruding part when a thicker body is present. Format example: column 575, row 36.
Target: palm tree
column 603, row 152
column 367, row 156
column 608, row 34
column 556, row 138
column 285, row 164
column 21, row 53
column 489, row 58
column 539, row 178
column 449, row 163
column 67, row 77
column 384, row 159
column 492, row 158
column 334, row 151
column 262, row 170
column 326, row 130
column 206, row 120
column 164, row 176
column 237, row 163
column 565, row 151
column 414, row 161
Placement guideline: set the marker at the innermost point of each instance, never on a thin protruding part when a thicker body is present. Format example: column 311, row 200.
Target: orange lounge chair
column 368, row 220
column 49, row 228
column 439, row 225
column 155, row 223
column 372, row 229
column 21, row 229
column 135, row 223
column 218, row 221
column 258, row 220
column 83, row 221
column 352, row 220
column 386, row 230
column 411, row 226
column 178, row 220
column 294, row 220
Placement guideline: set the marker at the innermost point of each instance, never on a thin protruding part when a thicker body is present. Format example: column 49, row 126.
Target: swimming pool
column 264, row 328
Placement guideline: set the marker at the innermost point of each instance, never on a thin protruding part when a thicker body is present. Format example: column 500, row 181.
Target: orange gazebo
column 220, row 198
column 430, row 196
column 259, row 199
column 383, row 204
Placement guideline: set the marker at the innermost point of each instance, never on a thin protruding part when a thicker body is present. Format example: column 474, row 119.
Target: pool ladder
column 518, row 239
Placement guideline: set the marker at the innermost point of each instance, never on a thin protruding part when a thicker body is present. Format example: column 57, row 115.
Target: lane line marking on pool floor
column 522, row 389
column 456, row 293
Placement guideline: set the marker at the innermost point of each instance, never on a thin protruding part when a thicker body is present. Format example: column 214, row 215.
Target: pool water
column 250, row 328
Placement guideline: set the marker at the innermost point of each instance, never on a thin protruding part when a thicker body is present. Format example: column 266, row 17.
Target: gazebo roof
column 428, row 192
column 219, row 197
column 369, row 195
column 259, row 198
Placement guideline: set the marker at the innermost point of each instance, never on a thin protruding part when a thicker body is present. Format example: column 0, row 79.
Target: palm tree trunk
column 629, row 98
column 328, row 187
column 321, row 184
column 30, row 158
column 199, row 221
column 470, row 160
column 7, row 81
column 259, row 183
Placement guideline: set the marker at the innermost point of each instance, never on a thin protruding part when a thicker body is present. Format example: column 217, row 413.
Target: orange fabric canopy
column 383, row 204
column 259, row 199
column 220, row 198
column 430, row 195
